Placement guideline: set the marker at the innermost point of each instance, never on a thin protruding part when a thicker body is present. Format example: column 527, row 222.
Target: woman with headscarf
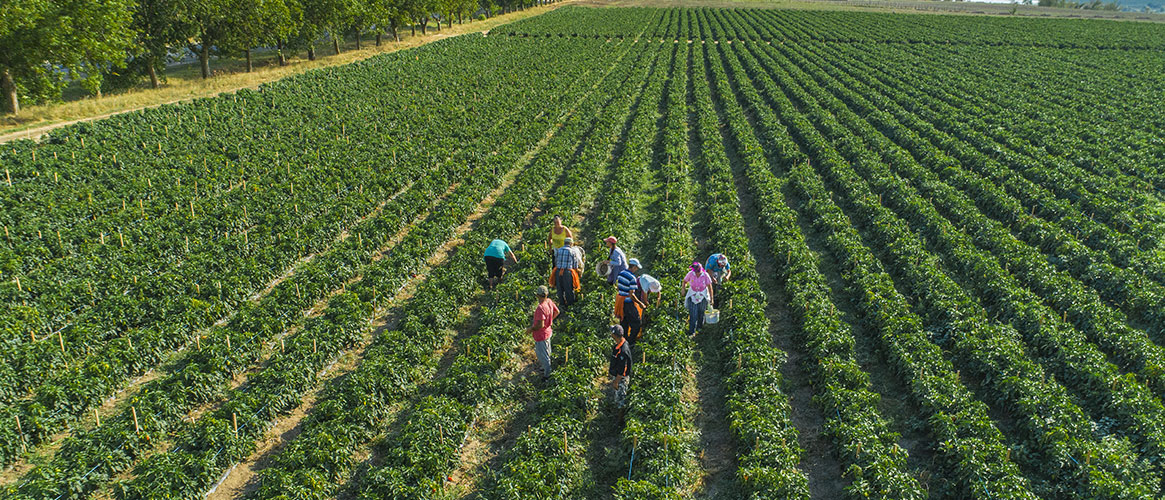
column 697, row 296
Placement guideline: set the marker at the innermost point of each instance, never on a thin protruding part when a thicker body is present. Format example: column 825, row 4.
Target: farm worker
column 697, row 296
column 719, row 269
column 617, row 259
column 647, row 284
column 540, row 327
column 495, row 261
column 620, row 367
column 558, row 235
column 628, row 307
column 568, row 264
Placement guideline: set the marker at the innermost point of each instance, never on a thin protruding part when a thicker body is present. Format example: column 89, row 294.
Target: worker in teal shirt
column 720, row 270
column 495, row 261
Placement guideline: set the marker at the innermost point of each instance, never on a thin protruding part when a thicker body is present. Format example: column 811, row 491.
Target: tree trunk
column 395, row 33
column 425, row 27
column 438, row 23
column 378, row 37
column 153, row 74
column 250, row 66
column 450, row 21
column 459, row 18
column 282, row 56
column 204, row 59
column 414, row 28
column 311, row 52
column 357, row 38
column 336, row 44
column 11, row 100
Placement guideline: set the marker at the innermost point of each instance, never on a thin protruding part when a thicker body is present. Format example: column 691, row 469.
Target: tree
column 44, row 44
column 387, row 14
column 211, row 25
column 159, row 28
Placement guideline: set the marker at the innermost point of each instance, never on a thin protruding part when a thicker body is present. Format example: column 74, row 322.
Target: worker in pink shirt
column 540, row 328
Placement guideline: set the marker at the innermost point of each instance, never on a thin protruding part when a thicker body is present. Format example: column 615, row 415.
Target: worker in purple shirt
column 617, row 260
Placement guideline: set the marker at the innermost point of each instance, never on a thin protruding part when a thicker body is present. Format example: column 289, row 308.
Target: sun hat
column 541, row 291
column 634, row 262
column 611, row 239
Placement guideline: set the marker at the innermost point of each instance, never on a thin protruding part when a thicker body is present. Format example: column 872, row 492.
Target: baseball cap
column 541, row 291
column 634, row 262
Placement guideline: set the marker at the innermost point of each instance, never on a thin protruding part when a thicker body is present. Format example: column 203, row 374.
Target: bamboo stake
column 314, row 348
column 198, row 341
column 235, row 423
column 191, row 209
column 61, row 340
column 97, row 417
column 23, row 448
column 18, row 288
column 136, row 428
column 62, row 245
column 121, row 238
column 282, row 346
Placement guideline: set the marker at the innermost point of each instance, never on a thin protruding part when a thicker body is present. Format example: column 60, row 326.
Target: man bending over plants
column 620, row 369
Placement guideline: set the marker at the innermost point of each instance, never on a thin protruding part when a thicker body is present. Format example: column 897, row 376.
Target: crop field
column 947, row 237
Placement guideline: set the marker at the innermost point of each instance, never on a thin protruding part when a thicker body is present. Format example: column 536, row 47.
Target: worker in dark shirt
column 620, row 369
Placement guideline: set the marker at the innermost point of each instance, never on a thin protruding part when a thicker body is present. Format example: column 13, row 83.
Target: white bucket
column 712, row 316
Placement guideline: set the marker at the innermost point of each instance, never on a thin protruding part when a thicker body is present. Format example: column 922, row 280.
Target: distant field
column 946, row 236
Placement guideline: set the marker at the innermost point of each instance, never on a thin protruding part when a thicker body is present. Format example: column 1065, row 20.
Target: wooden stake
column 61, row 340
column 198, row 341
column 62, row 245
column 9, row 176
column 297, row 294
column 18, row 288
column 32, row 335
column 228, row 341
column 314, row 348
column 282, row 346
column 567, row 358
column 136, row 428
column 235, row 423
column 644, row 358
column 23, row 448
column 97, row 417
column 191, row 209
column 121, row 238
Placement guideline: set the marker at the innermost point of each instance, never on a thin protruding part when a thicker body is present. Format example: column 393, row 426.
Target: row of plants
column 1106, row 327
column 1123, row 103
column 1060, row 348
column 993, row 353
column 165, row 402
column 1124, row 249
column 70, row 393
column 760, row 413
column 862, row 437
column 199, row 288
column 1120, row 279
column 400, row 359
column 972, row 450
column 658, row 431
column 547, row 460
column 455, row 282
column 851, row 27
column 416, row 461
